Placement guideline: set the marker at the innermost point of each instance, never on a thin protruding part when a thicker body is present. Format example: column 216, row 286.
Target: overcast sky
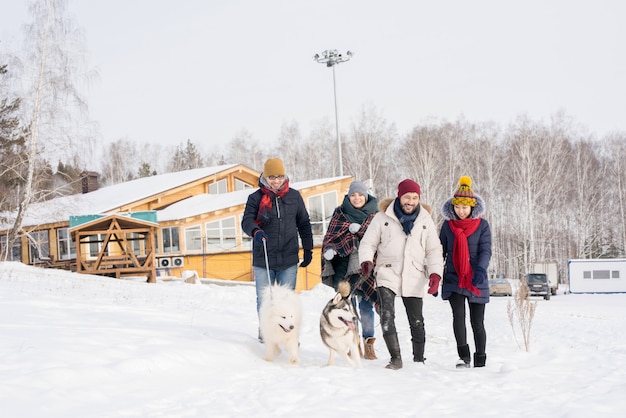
column 206, row 70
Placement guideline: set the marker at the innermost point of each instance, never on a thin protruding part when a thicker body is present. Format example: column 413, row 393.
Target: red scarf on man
column 265, row 206
column 462, row 229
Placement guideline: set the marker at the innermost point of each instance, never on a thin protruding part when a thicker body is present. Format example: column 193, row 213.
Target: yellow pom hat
column 464, row 195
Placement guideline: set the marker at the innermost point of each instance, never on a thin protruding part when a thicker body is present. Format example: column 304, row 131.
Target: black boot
column 394, row 350
column 418, row 338
column 464, row 357
column 480, row 360
column 418, row 352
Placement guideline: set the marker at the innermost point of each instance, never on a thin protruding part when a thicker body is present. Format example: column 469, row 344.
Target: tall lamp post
column 330, row 57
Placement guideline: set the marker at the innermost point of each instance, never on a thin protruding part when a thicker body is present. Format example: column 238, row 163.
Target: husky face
column 340, row 313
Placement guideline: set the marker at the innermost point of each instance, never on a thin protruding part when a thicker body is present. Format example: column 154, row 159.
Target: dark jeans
column 413, row 307
column 477, row 320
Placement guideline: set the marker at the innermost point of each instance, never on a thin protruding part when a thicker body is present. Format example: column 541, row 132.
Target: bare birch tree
column 369, row 147
column 54, row 110
column 120, row 162
column 290, row 151
column 321, row 155
column 244, row 149
column 615, row 161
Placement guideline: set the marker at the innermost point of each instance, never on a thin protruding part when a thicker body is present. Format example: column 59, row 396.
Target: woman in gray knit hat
column 340, row 259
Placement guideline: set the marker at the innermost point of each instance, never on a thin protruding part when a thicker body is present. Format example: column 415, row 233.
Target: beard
column 408, row 209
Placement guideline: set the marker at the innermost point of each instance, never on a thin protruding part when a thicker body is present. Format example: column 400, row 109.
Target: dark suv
column 538, row 285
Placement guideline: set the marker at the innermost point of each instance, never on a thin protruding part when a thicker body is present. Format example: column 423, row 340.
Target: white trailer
column 550, row 269
column 597, row 275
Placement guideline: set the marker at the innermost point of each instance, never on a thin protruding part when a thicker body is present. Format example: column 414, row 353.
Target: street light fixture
column 330, row 57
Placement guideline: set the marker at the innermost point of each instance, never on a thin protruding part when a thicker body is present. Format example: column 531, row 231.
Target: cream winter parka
column 403, row 262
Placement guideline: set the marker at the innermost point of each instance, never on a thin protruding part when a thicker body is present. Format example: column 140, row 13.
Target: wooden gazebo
column 116, row 245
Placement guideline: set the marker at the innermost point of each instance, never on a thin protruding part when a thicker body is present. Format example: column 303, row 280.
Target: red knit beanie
column 408, row 186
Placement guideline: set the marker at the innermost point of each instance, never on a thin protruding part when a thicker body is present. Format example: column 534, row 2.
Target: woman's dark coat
column 479, row 244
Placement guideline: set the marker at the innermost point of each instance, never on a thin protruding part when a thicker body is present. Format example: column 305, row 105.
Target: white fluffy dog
column 280, row 316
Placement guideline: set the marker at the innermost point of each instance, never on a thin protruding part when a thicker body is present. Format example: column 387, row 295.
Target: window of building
column 242, row 185
column 38, row 245
column 193, row 238
column 95, row 243
column 218, row 187
column 138, row 242
column 170, row 242
column 15, row 254
column 601, row 274
column 246, row 240
column 66, row 246
column 221, row 234
column 321, row 208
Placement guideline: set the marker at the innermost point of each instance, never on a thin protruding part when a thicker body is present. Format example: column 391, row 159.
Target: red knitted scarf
column 265, row 206
column 460, row 254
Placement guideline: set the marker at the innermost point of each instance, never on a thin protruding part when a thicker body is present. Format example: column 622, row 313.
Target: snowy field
column 86, row 346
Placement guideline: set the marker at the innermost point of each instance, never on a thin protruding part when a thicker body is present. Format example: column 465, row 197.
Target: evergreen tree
column 12, row 149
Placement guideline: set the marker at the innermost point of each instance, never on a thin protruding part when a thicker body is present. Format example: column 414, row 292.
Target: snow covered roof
column 205, row 203
column 109, row 198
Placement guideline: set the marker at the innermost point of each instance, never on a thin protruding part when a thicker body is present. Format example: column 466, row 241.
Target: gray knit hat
column 357, row 187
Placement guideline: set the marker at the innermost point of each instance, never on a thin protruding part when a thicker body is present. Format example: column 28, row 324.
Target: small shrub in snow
column 521, row 310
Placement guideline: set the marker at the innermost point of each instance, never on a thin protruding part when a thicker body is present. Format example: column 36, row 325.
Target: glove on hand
column 329, row 254
column 366, row 268
column 308, row 257
column 480, row 275
column 354, row 227
column 433, row 284
column 259, row 236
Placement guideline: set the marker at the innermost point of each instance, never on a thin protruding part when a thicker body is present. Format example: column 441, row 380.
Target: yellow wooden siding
column 237, row 266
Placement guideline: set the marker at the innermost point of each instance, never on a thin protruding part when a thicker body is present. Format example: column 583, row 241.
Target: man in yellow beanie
column 276, row 215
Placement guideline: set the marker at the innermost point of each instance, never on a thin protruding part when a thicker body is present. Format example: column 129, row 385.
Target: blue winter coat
column 289, row 218
column 479, row 244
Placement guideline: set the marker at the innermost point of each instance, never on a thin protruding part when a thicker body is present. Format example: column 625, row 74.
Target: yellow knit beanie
column 464, row 195
column 273, row 167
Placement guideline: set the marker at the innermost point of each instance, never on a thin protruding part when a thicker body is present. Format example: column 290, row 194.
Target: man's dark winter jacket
column 289, row 219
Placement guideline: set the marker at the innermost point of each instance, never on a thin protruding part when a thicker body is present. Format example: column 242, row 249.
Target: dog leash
column 267, row 266
column 359, row 282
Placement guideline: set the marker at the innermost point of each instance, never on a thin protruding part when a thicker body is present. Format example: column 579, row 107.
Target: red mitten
column 433, row 284
column 366, row 268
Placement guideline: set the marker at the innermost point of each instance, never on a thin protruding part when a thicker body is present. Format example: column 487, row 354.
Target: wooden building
column 198, row 215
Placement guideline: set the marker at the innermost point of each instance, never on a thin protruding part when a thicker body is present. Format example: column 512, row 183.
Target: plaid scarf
column 338, row 234
column 460, row 253
column 265, row 206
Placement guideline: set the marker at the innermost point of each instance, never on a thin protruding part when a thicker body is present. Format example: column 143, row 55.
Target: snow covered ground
column 86, row 346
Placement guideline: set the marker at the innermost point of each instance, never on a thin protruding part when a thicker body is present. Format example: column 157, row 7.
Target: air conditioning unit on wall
column 164, row 262
column 178, row 261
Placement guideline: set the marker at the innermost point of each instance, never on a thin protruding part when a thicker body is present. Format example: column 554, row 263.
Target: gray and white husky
column 338, row 327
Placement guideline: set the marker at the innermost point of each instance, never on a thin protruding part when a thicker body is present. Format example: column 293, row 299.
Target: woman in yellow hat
column 466, row 241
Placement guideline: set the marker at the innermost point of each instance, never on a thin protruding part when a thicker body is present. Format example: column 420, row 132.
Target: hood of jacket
column 447, row 209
